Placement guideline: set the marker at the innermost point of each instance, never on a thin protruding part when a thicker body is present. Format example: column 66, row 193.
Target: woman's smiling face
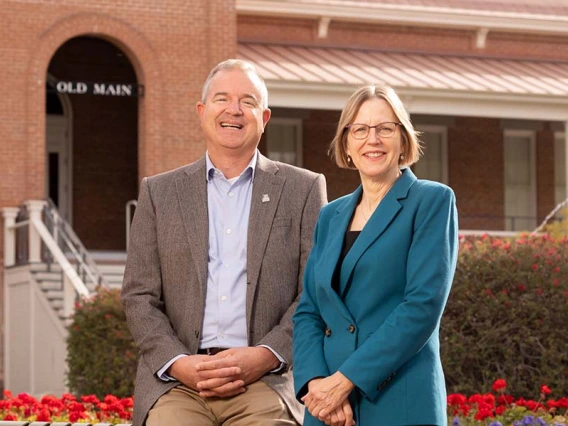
column 376, row 158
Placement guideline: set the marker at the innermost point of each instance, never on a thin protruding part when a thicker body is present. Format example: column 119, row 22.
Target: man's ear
column 266, row 116
column 200, row 107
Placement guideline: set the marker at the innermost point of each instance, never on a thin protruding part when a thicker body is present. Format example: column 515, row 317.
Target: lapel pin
column 265, row 198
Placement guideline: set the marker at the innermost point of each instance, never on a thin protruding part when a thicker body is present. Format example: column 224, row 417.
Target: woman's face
column 376, row 157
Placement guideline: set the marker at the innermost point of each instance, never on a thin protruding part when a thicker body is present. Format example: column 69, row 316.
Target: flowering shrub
column 101, row 355
column 87, row 409
column 507, row 315
column 501, row 409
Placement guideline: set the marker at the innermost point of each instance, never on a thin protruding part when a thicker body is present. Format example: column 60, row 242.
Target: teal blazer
column 381, row 328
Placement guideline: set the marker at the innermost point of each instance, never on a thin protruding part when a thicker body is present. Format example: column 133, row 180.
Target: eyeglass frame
column 373, row 127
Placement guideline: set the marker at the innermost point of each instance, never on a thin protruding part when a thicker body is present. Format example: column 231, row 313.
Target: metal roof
column 340, row 66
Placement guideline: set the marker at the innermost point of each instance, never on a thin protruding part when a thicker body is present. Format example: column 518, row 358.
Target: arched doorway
column 95, row 80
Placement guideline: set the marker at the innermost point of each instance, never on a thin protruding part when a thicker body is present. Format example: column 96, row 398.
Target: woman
column 366, row 344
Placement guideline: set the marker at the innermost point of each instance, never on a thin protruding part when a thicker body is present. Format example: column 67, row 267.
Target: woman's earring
column 348, row 158
column 402, row 156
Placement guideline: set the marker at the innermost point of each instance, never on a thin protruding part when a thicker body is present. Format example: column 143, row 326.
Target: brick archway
column 144, row 61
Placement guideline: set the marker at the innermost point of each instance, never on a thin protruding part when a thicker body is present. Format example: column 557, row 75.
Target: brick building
column 97, row 95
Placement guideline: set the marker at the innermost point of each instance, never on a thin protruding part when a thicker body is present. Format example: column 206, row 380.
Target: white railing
column 37, row 233
column 551, row 215
column 130, row 207
column 65, row 237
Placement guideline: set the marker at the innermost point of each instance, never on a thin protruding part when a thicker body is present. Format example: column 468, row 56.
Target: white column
column 68, row 298
column 35, row 208
column 566, row 159
column 9, row 214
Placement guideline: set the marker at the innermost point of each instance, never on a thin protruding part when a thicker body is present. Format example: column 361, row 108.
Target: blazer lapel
column 266, row 191
column 381, row 218
column 192, row 197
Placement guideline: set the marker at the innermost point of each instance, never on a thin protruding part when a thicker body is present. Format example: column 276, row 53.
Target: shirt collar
column 211, row 168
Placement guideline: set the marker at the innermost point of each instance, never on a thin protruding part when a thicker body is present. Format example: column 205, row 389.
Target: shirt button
column 231, row 194
column 351, row 328
column 224, row 298
column 228, row 231
column 226, row 265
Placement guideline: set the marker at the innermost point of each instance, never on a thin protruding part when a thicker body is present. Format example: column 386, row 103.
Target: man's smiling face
column 232, row 117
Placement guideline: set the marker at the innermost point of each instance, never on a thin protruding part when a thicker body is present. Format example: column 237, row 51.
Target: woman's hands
column 327, row 399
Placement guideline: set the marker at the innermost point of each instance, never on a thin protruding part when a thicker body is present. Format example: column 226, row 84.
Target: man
column 215, row 268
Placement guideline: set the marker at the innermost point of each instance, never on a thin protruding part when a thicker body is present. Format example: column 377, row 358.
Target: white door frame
column 531, row 135
column 65, row 157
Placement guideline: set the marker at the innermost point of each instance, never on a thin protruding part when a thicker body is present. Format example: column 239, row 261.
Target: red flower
column 43, row 415
column 8, row 394
column 505, row 400
column 545, row 390
column 483, row 413
column 12, row 417
column 90, row 399
column 499, row 385
column 534, row 267
column 456, row 399
column 75, row 416
column 500, row 410
column 68, row 397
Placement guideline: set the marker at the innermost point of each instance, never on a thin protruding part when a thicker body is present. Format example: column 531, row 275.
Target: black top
column 348, row 241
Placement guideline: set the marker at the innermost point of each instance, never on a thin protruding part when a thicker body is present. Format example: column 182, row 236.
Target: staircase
column 49, row 278
column 46, row 270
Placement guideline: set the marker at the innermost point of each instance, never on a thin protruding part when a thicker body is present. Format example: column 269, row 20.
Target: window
column 520, row 180
column 284, row 140
column 560, row 167
column 433, row 165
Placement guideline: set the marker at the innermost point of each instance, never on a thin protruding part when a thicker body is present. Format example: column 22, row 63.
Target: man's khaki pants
column 258, row 406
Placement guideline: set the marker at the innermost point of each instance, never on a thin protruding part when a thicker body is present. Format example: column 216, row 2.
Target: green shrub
column 101, row 355
column 507, row 315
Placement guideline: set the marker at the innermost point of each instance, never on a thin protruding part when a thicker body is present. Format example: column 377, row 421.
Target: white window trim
column 563, row 136
column 532, row 137
column 297, row 124
column 443, row 132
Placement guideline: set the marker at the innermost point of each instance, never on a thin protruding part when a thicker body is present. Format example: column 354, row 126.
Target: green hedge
column 101, row 355
column 507, row 316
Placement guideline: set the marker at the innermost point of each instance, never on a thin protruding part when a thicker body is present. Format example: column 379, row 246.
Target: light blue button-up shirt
column 228, row 201
column 224, row 321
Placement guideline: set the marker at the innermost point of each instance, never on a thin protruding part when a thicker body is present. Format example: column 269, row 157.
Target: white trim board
column 420, row 101
column 402, row 14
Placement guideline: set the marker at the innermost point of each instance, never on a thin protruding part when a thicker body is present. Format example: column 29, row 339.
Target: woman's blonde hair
column 411, row 149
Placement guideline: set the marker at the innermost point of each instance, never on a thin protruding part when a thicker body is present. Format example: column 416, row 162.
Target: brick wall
column 475, row 157
column 171, row 44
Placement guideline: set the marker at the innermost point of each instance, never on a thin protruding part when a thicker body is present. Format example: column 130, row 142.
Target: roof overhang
column 419, row 101
column 402, row 14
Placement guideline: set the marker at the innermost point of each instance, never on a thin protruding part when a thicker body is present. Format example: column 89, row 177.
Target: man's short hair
column 236, row 64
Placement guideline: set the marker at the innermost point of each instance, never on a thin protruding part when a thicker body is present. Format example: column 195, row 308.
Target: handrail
column 129, row 205
column 57, row 253
column 62, row 229
column 550, row 216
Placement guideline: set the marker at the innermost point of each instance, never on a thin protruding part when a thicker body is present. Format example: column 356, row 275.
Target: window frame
column 298, row 125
